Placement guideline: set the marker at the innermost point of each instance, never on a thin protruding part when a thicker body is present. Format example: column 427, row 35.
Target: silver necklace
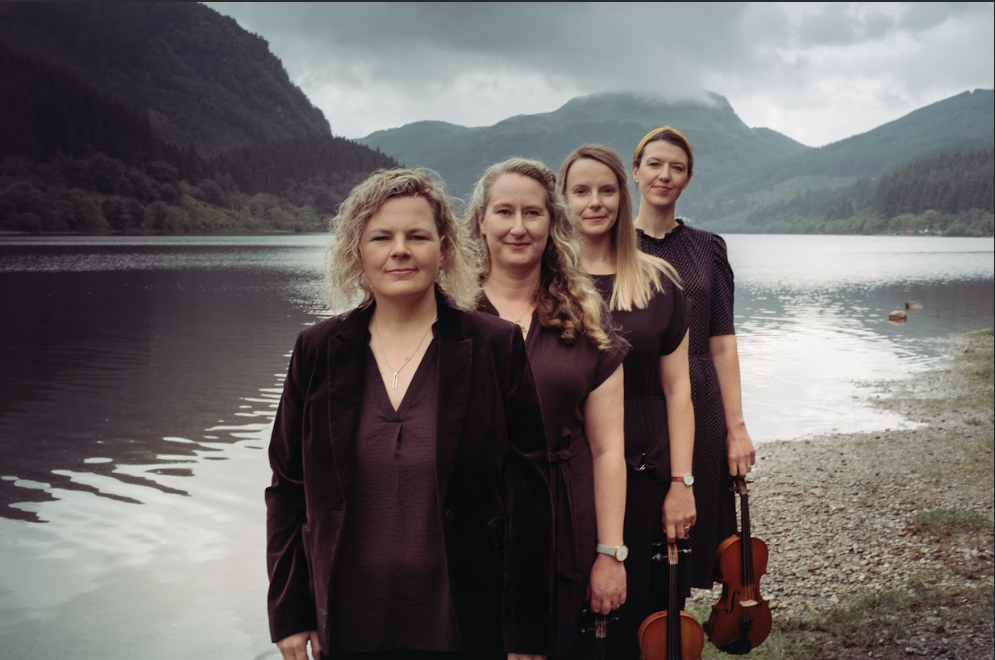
column 518, row 321
column 376, row 326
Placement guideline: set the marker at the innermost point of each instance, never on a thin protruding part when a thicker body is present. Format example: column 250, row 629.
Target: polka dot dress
column 700, row 259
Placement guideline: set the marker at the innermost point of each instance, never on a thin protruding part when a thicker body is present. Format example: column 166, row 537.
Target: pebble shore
column 837, row 511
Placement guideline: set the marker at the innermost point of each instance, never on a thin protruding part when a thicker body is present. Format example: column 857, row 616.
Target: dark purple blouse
column 392, row 585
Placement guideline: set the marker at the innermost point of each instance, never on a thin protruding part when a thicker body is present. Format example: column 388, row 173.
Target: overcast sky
column 817, row 72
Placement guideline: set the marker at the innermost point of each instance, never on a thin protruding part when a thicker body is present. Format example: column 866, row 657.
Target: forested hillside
column 72, row 159
column 200, row 78
column 948, row 184
column 949, row 195
column 824, row 184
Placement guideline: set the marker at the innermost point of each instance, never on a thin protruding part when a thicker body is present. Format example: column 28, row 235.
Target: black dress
column 700, row 259
column 653, row 332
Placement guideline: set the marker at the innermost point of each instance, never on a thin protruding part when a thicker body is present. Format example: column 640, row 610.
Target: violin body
column 673, row 634
column 741, row 620
column 653, row 637
column 736, row 624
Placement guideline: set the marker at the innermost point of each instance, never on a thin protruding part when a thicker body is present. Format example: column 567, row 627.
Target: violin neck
column 746, row 554
column 744, row 507
column 674, row 642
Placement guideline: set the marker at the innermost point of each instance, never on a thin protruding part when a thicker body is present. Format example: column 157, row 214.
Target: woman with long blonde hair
column 647, row 304
column 533, row 278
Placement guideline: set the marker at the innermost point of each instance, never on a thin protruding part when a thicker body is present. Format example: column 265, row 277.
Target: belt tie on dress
column 570, row 446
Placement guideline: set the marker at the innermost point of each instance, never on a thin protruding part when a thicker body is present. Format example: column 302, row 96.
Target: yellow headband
column 656, row 131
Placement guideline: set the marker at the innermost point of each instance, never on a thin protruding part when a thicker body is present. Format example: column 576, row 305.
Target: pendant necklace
column 520, row 324
column 393, row 382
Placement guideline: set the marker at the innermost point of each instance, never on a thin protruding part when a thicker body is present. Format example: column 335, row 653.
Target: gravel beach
column 838, row 512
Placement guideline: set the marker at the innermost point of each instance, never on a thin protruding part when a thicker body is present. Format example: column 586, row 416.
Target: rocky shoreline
column 838, row 511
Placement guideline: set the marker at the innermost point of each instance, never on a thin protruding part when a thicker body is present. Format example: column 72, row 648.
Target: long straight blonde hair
column 638, row 275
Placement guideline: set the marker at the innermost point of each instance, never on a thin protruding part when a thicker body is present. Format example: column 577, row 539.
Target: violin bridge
column 748, row 603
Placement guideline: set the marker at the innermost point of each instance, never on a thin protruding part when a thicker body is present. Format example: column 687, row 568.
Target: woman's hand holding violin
column 294, row 647
column 741, row 452
column 679, row 513
column 606, row 589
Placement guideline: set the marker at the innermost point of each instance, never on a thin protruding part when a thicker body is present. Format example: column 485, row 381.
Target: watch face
column 621, row 553
column 688, row 479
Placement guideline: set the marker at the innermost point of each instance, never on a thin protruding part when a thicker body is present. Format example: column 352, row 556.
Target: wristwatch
column 687, row 479
column 618, row 552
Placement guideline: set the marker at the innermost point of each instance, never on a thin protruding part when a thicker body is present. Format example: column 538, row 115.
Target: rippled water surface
column 140, row 376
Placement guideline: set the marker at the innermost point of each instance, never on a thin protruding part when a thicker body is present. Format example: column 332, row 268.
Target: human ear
column 444, row 248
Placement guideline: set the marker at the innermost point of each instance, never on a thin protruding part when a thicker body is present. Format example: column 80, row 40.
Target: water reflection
column 140, row 379
column 812, row 319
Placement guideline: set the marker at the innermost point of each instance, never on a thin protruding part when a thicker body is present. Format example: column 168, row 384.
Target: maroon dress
column 565, row 376
column 700, row 259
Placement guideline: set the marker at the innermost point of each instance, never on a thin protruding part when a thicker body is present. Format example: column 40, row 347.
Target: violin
column 740, row 621
column 600, row 630
column 674, row 634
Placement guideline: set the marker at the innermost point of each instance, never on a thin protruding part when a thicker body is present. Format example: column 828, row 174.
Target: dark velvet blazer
column 491, row 464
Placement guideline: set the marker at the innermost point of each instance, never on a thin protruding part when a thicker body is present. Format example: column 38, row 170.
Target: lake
column 140, row 377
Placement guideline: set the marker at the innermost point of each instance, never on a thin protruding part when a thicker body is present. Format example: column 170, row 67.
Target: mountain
column 723, row 144
column 847, row 172
column 200, row 78
column 746, row 179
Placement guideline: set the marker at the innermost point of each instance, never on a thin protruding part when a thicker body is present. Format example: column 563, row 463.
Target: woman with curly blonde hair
column 345, row 282
column 533, row 278
column 409, row 513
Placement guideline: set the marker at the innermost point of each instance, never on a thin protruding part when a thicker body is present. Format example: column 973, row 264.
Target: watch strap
column 606, row 549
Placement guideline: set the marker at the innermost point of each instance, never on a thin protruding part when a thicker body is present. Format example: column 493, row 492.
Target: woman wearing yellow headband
column 662, row 167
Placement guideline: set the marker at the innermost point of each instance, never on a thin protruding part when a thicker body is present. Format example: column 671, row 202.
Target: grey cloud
column 375, row 65
column 587, row 45
column 922, row 16
column 838, row 24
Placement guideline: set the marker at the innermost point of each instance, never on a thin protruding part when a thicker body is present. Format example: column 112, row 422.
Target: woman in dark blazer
column 409, row 514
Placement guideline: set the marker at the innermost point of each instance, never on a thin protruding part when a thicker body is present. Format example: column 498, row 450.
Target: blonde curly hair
column 346, row 284
column 566, row 298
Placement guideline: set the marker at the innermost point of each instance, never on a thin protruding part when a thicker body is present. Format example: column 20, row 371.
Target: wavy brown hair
column 565, row 298
column 638, row 275
column 345, row 281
